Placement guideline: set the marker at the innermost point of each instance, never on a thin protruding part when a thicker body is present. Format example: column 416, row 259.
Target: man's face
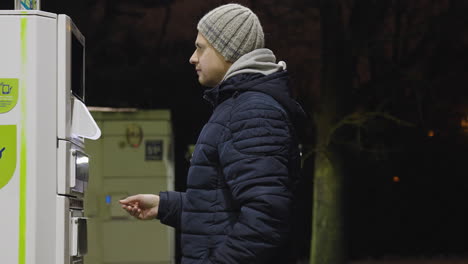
column 209, row 63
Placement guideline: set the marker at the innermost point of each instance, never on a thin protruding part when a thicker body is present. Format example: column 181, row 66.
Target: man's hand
column 141, row 206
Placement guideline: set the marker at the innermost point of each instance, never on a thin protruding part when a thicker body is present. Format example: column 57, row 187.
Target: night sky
column 406, row 181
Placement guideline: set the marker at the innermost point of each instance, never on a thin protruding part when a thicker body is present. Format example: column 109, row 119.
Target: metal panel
column 119, row 167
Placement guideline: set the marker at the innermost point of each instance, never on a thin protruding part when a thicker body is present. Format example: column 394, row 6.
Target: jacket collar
column 227, row 88
column 275, row 85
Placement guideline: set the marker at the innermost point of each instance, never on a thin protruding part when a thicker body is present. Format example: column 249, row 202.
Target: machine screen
column 77, row 68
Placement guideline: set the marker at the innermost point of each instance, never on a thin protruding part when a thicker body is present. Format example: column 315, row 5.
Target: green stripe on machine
column 23, row 148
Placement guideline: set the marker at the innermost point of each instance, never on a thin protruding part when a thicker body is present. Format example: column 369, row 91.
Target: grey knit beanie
column 233, row 30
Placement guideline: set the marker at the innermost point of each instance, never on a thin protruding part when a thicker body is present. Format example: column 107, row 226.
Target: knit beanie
column 233, row 30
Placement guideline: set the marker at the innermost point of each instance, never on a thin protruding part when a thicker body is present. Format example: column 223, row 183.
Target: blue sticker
column 29, row 4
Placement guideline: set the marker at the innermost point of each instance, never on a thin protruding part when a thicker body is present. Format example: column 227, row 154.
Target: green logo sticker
column 7, row 154
column 8, row 94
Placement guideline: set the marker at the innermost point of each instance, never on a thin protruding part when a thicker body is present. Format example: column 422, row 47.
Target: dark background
column 406, row 187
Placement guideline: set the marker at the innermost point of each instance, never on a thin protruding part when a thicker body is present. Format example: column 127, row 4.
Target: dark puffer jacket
column 238, row 202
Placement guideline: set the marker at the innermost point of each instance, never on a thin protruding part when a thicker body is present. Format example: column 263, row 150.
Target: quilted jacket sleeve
column 170, row 208
column 255, row 163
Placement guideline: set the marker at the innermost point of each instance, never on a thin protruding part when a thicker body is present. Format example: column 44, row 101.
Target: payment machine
column 44, row 167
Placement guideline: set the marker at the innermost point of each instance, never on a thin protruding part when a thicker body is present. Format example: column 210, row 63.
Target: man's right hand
column 141, row 206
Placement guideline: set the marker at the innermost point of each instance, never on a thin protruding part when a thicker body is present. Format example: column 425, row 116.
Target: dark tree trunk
column 328, row 223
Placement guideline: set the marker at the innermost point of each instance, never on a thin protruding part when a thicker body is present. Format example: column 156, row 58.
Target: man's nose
column 193, row 59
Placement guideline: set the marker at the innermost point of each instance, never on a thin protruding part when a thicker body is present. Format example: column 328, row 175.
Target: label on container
column 7, row 153
column 28, row 4
column 8, row 94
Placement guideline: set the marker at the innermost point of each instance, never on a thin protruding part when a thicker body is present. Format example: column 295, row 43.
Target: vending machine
column 44, row 168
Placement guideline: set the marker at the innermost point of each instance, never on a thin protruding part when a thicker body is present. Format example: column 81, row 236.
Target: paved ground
column 416, row 261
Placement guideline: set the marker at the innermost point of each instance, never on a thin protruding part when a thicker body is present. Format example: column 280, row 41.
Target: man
column 237, row 207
